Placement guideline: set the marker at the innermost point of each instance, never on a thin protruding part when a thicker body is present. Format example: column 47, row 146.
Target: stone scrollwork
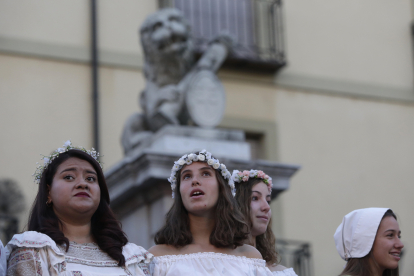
column 179, row 90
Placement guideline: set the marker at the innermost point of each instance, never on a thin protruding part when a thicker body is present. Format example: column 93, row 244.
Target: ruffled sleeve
column 34, row 253
column 3, row 263
column 137, row 259
column 286, row 272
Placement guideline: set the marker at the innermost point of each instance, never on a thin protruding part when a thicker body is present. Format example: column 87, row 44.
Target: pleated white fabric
column 208, row 264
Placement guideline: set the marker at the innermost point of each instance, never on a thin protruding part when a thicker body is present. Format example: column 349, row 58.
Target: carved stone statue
column 179, row 90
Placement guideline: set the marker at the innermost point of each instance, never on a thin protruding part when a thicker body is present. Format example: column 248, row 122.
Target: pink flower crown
column 239, row 176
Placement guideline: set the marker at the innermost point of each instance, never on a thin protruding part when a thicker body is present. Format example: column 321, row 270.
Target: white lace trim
column 33, row 239
column 209, row 255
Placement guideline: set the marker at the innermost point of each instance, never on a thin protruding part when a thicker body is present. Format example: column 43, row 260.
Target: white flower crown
column 244, row 176
column 48, row 159
column 203, row 156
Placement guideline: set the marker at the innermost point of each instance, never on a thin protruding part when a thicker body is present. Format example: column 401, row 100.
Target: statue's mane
column 166, row 68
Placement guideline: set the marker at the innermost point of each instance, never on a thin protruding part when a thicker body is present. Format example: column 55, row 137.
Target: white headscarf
column 355, row 236
column 3, row 263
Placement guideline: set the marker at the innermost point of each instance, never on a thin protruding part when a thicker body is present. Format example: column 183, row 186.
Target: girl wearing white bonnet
column 369, row 239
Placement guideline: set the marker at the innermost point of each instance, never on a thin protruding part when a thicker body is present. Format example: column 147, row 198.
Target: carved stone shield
column 205, row 99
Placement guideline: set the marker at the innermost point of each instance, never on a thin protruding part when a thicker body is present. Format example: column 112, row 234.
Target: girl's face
column 387, row 246
column 260, row 212
column 75, row 189
column 199, row 188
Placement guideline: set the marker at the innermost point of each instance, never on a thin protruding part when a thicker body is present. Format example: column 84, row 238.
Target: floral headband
column 203, row 156
column 244, row 176
column 66, row 147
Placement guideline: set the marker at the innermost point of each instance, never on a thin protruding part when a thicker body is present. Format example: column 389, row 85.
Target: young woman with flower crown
column 72, row 230
column 204, row 232
column 253, row 194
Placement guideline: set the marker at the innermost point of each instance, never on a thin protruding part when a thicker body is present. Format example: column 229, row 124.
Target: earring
column 49, row 203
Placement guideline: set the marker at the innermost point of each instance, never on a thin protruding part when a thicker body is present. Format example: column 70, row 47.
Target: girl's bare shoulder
column 163, row 249
column 248, row 251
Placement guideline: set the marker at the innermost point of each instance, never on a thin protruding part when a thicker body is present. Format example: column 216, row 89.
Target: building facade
column 342, row 108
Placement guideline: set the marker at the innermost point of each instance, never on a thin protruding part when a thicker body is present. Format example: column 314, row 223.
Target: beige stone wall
column 365, row 42
column 119, row 96
column 354, row 154
column 42, row 104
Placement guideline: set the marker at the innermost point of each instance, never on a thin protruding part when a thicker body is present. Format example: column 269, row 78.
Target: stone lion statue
column 179, row 90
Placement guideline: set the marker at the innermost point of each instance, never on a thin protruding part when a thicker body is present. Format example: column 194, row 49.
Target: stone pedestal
column 138, row 187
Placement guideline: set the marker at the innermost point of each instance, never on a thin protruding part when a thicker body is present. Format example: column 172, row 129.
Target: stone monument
column 179, row 90
column 182, row 103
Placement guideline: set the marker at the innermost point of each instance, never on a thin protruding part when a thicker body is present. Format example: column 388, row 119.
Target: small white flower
column 181, row 162
column 216, row 165
column 203, row 151
column 188, row 161
column 68, row 143
column 173, row 187
column 45, row 160
column 191, row 156
column 176, row 167
column 195, row 158
column 210, row 162
column 201, row 157
column 252, row 173
column 208, row 155
column 222, row 166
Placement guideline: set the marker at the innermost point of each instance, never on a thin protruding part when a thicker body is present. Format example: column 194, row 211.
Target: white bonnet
column 357, row 232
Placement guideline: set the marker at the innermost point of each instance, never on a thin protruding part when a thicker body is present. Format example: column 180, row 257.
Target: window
column 256, row 26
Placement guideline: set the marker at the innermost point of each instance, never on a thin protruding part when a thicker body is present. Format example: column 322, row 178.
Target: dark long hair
column 266, row 242
column 362, row 266
column 230, row 229
column 105, row 228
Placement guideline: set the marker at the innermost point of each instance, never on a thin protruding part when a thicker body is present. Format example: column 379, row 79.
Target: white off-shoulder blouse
column 33, row 253
column 286, row 272
column 207, row 264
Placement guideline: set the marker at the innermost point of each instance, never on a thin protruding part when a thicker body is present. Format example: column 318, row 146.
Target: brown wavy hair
column 105, row 228
column 362, row 266
column 230, row 228
column 265, row 243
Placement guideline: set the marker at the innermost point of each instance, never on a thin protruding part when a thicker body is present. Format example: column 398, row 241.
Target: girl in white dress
column 370, row 241
column 72, row 230
column 204, row 231
column 253, row 194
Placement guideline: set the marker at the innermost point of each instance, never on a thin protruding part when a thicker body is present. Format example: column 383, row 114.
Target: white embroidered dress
column 286, row 272
column 207, row 264
column 3, row 263
column 33, row 253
